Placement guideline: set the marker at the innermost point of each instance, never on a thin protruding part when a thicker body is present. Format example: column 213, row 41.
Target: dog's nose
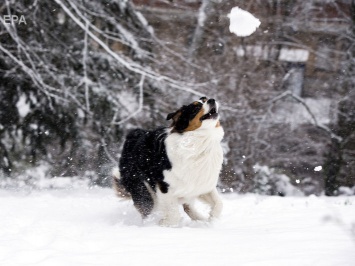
column 211, row 101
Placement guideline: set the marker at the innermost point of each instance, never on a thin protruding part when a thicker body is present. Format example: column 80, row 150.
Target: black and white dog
column 163, row 168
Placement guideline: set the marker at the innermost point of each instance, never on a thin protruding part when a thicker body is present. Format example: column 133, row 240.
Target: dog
column 164, row 168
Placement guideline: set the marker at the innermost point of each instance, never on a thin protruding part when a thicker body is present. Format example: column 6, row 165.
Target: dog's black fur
column 144, row 159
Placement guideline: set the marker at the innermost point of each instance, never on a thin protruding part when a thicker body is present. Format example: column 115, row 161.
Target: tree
column 70, row 78
column 81, row 73
column 273, row 84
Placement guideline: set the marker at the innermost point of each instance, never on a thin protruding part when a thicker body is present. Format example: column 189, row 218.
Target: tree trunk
column 332, row 167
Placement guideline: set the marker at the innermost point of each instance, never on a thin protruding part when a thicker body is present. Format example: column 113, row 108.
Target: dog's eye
column 203, row 99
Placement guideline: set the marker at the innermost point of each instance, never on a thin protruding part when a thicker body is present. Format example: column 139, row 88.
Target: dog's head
column 199, row 114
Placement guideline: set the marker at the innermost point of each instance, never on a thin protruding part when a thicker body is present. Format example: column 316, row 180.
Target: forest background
column 77, row 75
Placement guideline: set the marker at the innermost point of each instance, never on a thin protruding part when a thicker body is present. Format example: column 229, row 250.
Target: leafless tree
column 72, row 76
column 88, row 71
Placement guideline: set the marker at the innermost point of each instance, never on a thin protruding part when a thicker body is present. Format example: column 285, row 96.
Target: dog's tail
column 117, row 186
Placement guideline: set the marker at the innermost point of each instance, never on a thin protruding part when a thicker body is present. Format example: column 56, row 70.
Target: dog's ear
column 174, row 114
column 171, row 115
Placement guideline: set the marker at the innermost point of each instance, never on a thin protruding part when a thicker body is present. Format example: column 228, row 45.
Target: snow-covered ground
column 92, row 227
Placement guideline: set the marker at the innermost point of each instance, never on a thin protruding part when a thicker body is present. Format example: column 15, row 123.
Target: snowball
column 242, row 23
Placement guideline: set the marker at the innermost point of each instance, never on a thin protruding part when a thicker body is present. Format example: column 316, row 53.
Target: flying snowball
column 242, row 23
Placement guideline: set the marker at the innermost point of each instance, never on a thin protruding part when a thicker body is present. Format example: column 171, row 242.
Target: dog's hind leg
column 143, row 200
column 215, row 201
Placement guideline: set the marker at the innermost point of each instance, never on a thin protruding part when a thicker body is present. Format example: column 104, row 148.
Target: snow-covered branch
column 140, row 107
column 125, row 62
column 85, row 54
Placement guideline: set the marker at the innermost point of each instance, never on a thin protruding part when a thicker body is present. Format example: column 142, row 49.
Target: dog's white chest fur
column 196, row 159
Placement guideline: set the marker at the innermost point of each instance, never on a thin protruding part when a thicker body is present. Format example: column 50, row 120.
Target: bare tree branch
column 287, row 94
column 132, row 66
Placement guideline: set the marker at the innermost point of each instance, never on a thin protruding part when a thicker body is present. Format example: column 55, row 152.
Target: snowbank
column 92, row 227
column 37, row 178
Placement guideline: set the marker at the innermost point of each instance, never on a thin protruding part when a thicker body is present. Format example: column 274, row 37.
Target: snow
column 202, row 15
column 37, row 178
column 92, row 227
column 293, row 55
column 268, row 182
column 144, row 22
column 242, row 23
column 266, row 52
column 22, row 106
column 254, row 50
column 61, row 18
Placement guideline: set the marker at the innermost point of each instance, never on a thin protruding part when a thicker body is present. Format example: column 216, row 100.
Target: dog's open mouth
column 212, row 114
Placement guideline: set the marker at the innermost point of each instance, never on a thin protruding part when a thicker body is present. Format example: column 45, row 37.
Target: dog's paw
column 216, row 211
column 166, row 222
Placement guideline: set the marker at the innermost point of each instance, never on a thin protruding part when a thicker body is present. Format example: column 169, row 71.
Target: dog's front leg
column 169, row 207
column 192, row 212
column 215, row 201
